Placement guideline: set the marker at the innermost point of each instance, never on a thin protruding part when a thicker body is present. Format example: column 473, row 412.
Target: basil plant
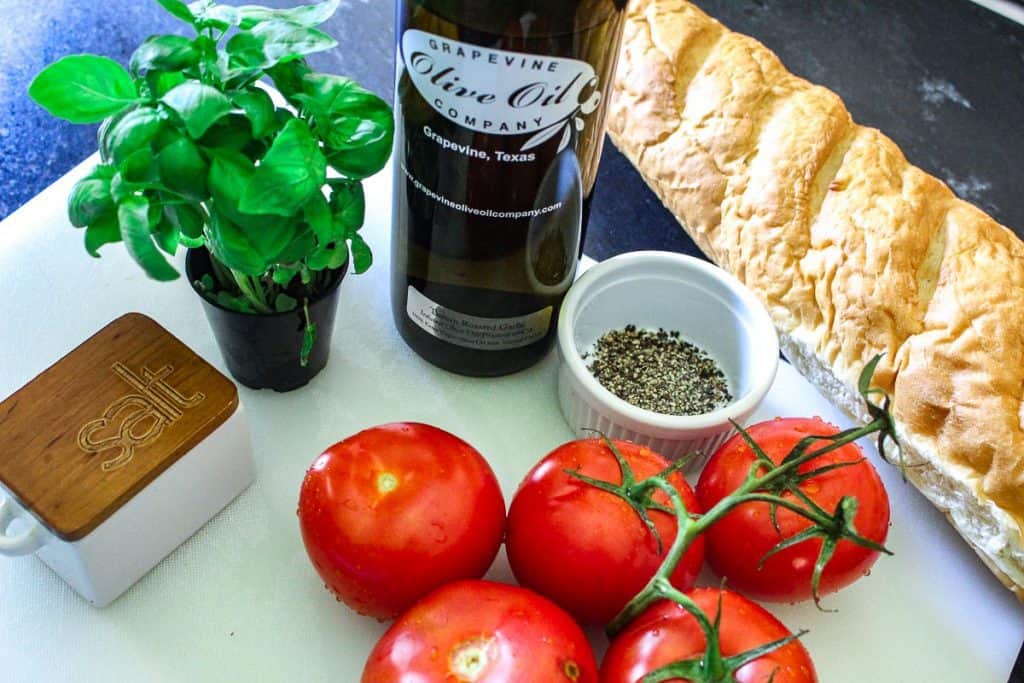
column 194, row 152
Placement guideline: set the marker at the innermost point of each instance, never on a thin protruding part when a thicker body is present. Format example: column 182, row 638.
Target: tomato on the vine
column 667, row 633
column 588, row 549
column 738, row 543
column 482, row 632
column 393, row 512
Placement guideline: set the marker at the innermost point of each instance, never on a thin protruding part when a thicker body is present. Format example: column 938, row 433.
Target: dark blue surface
column 944, row 78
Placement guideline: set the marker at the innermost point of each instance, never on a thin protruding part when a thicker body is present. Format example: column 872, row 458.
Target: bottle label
column 499, row 92
column 474, row 332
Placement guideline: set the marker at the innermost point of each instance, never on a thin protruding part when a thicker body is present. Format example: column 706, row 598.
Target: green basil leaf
column 140, row 167
column 275, row 41
column 284, row 303
column 319, row 258
column 233, row 132
column 304, row 15
column 317, row 214
column 229, row 173
column 189, row 222
column 282, row 117
column 210, row 14
column 345, row 104
column 199, row 106
column 288, row 175
column 271, row 241
column 155, row 214
column 249, row 16
column 183, row 169
column 166, row 52
column 230, row 244
column 103, row 135
column 356, row 125
column 245, row 52
column 329, row 257
column 339, row 254
column 84, row 88
column 162, row 82
column 288, row 77
column 206, row 283
column 133, row 218
column 267, row 235
column 242, row 79
column 360, row 164
column 121, row 188
column 302, row 244
column 234, row 302
column 178, row 9
column 362, row 257
column 89, row 200
column 132, row 132
column 104, row 230
column 282, row 275
column 348, row 204
column 207, row 48
column 167, row 235
column 105, row 171
column 259, row 108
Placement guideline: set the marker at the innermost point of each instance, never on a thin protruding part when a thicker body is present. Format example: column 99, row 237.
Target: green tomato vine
column 766, row 482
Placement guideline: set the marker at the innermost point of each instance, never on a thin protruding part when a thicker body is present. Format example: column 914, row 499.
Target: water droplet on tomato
column 351, row 504
column 440, row 535
column 812, row 487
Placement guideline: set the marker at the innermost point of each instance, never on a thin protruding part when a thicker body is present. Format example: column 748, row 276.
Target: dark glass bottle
column 500, row 122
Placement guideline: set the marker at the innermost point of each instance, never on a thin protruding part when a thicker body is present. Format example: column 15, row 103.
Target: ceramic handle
column 24, row 543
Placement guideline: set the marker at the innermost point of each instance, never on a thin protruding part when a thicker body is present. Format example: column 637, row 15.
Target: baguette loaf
column 853, row 250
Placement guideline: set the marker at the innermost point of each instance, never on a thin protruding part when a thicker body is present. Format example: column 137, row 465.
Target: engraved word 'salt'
column 143, row 416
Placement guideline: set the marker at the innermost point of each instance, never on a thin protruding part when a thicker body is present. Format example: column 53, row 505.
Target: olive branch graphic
column 564, row 125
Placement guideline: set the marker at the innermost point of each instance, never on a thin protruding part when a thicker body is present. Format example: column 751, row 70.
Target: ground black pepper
column 658, row 371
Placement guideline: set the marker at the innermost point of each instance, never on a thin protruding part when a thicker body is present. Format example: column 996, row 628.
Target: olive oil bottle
column 500, row 122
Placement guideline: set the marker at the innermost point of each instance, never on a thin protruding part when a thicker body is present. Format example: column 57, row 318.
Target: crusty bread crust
column 854, row 251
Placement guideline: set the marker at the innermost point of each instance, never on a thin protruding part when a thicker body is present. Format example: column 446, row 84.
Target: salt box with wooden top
column 116, row 454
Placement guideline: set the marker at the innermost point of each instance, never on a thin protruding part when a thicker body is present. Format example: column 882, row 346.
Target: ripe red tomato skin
column 737, row 542
column 380, row 550
column 530, row 638
column 584, row 548
column 667, row 633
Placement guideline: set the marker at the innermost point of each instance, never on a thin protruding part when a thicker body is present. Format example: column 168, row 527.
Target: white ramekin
column 657, row 289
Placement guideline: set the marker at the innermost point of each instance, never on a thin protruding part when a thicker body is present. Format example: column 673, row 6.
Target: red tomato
column 395, row 511
column 667, row 633
column 738, row 542
column 585, row 548
column 482, row 632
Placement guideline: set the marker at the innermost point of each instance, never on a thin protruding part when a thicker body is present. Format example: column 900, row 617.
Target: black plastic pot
column 262, row 349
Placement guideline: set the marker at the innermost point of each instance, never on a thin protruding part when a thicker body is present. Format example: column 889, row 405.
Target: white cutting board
column 240, row 601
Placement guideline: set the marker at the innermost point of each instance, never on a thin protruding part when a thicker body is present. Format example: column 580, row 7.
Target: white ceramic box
column 117, row 454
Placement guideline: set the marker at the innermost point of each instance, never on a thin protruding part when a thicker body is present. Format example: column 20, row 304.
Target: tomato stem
column 764, row 477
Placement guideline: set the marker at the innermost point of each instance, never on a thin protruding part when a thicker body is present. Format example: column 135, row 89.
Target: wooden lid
column 82, row 438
